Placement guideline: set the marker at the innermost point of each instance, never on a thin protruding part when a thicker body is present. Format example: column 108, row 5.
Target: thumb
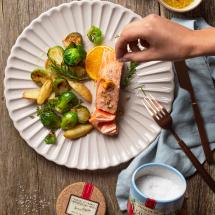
column 141, row 56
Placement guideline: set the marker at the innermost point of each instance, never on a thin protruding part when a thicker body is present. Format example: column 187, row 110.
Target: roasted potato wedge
column 31, row 93
column 81, row 90
column 45, row 92
column 78, row 131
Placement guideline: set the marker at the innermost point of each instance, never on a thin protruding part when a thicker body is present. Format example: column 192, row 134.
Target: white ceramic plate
column 94, row 151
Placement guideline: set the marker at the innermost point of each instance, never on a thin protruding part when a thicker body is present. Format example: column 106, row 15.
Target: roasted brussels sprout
column 78, row 71
column 83, row 114
column 50, row 119
column 60, row 85
column 39, row 76
column 78, row 131
column 51, row 71
column 48, row 64
column 73, row 55
column 73, row 37
column 50, row 138
column 55, row 54
column 94, row 34
column 69, row 120
column 66, row 101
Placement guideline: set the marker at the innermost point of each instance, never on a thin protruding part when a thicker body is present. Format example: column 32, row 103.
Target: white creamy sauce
column 158, row 188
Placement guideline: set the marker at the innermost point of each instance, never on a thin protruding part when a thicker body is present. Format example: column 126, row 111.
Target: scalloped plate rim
column 11, row 55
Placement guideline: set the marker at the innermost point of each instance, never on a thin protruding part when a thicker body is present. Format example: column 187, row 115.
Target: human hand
column 162, row 38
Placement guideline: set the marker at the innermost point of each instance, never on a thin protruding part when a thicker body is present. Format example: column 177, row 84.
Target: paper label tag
column 79, row 206
column 139, row 208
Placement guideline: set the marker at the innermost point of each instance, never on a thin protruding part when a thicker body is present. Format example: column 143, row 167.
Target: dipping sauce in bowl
column 156, row 189
column 180, row 5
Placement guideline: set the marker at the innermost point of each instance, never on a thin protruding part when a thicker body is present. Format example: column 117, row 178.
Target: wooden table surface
column 29, row 184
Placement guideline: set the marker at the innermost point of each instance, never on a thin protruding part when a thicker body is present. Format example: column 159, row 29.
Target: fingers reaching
column 141, row 56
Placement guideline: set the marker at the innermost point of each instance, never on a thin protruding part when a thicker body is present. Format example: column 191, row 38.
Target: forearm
column 202, row 42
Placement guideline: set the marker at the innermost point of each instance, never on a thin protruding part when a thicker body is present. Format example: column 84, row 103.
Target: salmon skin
column 107, row 94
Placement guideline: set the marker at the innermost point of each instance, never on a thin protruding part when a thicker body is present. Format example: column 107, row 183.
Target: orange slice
column 94, row 59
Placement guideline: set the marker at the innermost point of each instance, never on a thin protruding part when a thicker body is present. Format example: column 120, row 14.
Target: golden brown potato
column 78, row 131
column 45, row 92
column 82, row 90
column 31, row 93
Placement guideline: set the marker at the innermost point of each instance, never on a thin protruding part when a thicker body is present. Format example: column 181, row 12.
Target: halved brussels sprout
column 48, row 64
column 49, row 68
column 79, row 71
column 40, row 76
column 50, row 138
column 69, row 120
column 94, row 34
column 73, row 37
column 66, row 101
column 60, row 85
column 55, row 54
column 83, row 114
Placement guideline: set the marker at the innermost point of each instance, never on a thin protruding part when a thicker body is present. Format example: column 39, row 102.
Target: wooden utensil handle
column 204, row 174
column 202, row 132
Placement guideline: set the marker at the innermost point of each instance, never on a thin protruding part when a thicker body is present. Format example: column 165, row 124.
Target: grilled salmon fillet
column 107, row 94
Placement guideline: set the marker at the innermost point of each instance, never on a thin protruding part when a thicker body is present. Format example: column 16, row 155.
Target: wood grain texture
column 29, row 183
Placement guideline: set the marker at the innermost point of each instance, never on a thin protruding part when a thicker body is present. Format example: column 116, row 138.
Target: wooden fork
column 164, row 120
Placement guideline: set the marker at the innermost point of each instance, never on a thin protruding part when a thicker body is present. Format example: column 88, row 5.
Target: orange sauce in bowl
column 178, row 3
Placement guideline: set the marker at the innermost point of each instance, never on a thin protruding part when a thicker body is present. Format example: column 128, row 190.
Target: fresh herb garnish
column 141, row 88
column 129, row 75
column 66, row 72
column 47, row 107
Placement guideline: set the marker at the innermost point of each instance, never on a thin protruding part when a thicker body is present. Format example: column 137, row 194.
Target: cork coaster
column 81, row 199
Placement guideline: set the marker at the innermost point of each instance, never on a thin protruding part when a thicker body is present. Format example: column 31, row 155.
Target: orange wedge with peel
column 94, row 59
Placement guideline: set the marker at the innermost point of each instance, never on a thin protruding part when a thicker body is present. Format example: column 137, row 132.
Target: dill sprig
column 47, row 107
column 66, row 72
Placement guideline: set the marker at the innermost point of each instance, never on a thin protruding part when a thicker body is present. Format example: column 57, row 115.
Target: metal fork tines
column 164, row 120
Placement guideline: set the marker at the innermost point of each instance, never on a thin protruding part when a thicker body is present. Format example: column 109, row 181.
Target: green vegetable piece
column 39, row 76
column 50, row 120
column 60, row 85
column 79, row 71
column 67, row 72
column 74, row 55
column 50, row 139
column 94, row 34
column 83, row 113
column 74, row 38
column 69, row 120
column 66, row 101
column 55, row 54
column 47, row 107
column 129, row 75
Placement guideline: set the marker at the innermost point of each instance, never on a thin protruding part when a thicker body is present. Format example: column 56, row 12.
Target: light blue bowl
column 139, row 203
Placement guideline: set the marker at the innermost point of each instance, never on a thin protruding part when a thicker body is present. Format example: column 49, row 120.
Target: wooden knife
column 184, row 81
